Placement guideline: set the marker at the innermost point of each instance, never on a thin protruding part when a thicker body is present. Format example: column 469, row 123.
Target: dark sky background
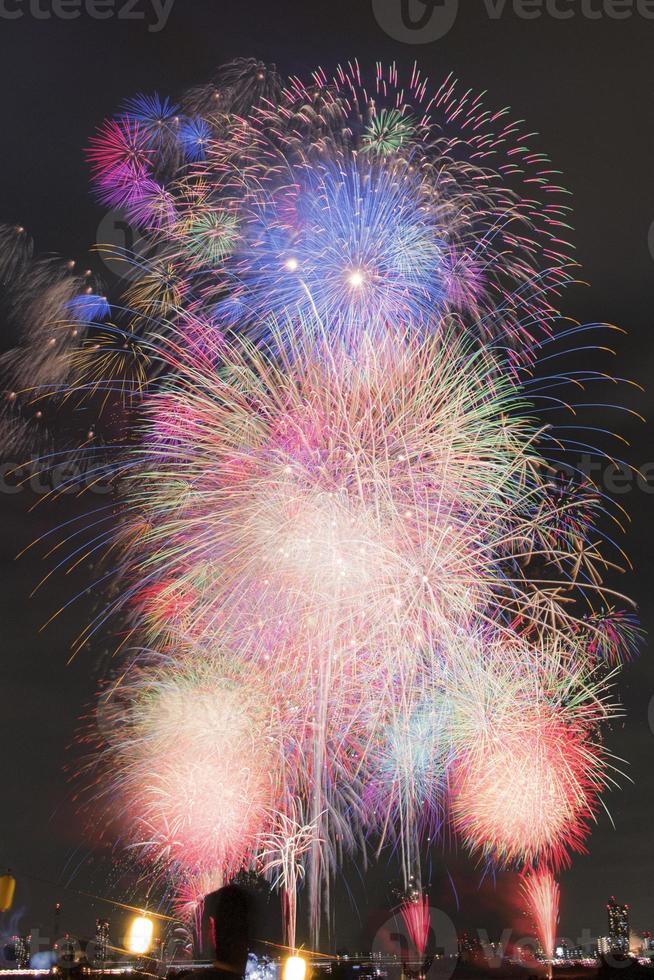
column 586, row 86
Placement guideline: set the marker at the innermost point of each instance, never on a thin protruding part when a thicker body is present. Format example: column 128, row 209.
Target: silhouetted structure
column 226, row 930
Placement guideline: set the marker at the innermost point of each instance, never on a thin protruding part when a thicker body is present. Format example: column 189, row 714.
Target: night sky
column 586, row 86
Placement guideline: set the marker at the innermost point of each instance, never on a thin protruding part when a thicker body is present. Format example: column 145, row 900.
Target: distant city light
column 295, row 968
column 139, row 936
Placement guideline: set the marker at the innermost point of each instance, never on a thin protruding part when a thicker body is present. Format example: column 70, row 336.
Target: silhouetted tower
column 101, row 940
column 56, row 927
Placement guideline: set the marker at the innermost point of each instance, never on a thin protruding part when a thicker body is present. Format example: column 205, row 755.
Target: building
column 101, row 940
column 564, row 951
column 469, row 948
column 23, row 951
column 618, row 926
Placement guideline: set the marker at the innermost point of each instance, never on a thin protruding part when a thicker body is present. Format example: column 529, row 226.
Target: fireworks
column 344, row 517
column 501, row 249
column 368, row 493
column 194, row 750
column 530, row 775
column 415, row 913
column 542, row 893
column 371, row 612
column 359, row 245
column 373, row 204
column 323, row 516
column 47, row 309
column 528, row 791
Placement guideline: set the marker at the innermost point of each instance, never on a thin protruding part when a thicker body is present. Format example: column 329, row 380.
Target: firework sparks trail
column 541, row 891
column 280, row 855
column 415, row 913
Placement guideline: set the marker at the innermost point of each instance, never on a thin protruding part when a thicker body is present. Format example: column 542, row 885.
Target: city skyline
column 618, row 936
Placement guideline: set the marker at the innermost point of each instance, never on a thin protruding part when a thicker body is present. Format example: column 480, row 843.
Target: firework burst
column 532, row 767
column 192, row 747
